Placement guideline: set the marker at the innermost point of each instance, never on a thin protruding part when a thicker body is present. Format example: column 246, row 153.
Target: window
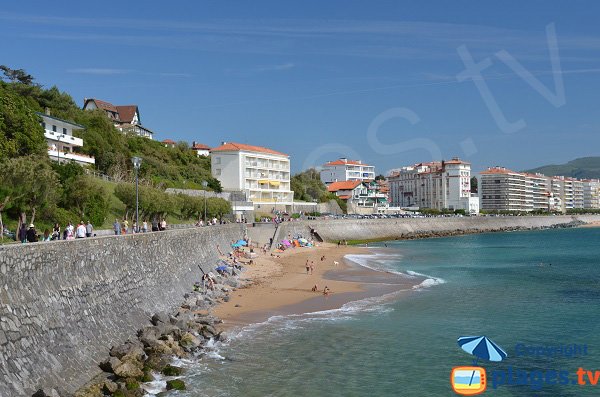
column 217, row 160
column 54, row 128
column 217, row 172
column 65, row 131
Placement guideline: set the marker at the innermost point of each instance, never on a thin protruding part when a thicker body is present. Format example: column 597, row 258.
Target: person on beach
column 315, row 288
column 312, row 267
column 307, row 266
column 326, row 290
column 322, row 258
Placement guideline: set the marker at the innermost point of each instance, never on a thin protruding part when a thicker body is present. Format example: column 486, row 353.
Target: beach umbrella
column 242, row 242
column 286, row 243
column 222, row 268
column 481, row 347
column 302, row 240
column 235, row 245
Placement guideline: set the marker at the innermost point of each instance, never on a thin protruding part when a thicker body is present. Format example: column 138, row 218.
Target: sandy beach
column 281, row 285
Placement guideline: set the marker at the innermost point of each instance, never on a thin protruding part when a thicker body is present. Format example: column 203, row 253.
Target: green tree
column 473, row 184
column 20, row 131
column 307, row 185
column 86, row 197
column 29, row 184
column 16, row 75
column 380, row 177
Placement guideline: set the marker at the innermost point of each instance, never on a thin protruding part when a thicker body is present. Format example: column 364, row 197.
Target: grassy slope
column 584, row 168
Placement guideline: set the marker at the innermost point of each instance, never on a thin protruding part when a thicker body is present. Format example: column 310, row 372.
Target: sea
column 535, row 294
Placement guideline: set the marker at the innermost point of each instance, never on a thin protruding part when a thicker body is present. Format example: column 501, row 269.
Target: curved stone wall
column 64, row 304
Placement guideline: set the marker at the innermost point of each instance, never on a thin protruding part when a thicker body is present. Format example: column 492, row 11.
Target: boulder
column 110, row 364
column 175, row 384
column 120, row 351
column 189, row 342
column 46, row 393
column 109, row 387
column 160, row 317
column 128, row 370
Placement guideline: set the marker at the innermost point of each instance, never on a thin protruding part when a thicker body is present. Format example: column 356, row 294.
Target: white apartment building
column 60, row 139
column 346, row 170
column 436, row 185
column 263, row 174
column 504, row 190
column 591, row 193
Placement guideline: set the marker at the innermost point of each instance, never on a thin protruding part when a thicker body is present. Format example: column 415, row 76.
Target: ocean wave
column 378, row 262
column 429, row 281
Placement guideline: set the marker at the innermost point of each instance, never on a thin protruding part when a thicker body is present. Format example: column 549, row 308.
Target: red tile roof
column 343, row 185
column 200, row 146
column 169, row 142
column 126, row 112
column 237, row 147
column 104, row 105
column 344, row 197
column 346, row 162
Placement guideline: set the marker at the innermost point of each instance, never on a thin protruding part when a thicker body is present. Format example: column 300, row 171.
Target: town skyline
column 385, row 85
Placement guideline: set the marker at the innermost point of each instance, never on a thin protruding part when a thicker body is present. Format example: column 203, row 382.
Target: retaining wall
column 358, row 229
column 64, row 304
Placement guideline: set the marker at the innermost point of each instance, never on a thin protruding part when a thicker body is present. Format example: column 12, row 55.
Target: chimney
column 223, row 142
column 47, row 111
column 193, row 143
column 345, row 160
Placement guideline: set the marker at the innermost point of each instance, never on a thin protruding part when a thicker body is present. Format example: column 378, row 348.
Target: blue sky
column 320, row 80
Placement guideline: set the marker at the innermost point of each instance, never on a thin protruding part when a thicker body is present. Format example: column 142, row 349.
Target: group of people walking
column 70, row 232
column 123, row 227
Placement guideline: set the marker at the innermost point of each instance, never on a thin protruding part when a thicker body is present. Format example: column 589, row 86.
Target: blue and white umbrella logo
column 482, row 347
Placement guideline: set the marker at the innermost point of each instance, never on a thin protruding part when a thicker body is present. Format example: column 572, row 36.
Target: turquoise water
column 536, row 288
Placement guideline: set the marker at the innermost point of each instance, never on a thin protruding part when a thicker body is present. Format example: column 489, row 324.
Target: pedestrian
column 80, row 231
column 23, row 233
column 89, row 229
column 144, row 226
column 70, row 231
column 56, row 231
column 31, row 234
column 155, row 225
column 312, row 267
column 163, row 224
column 117, row 227
column 307, row 266
column 46, row 235
column 125, row 226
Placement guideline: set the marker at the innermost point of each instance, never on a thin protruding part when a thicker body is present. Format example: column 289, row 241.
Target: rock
column 150, row 332
column 189, row 342
column 109, row 387
column 136, row 355
column 158, row 347
column 226, row 299
column 175, row 384
column 238, row 305
column 160, row 317
column 110, row 364
column 128, row 370
column 120, row 351
column 170, row 370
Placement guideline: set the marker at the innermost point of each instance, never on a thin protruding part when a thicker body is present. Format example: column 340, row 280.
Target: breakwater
column 64, row 304
column 404, row 228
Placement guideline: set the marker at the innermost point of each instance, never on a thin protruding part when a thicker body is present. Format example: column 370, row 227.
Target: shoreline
column 280, row 286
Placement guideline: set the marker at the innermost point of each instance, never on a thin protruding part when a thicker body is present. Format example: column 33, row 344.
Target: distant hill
column 583, row 168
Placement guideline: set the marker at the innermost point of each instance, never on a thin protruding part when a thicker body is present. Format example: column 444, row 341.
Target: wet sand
column 281, row 286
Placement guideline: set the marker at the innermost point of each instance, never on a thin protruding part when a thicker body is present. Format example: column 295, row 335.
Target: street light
column 137, row 162
column 204, row 185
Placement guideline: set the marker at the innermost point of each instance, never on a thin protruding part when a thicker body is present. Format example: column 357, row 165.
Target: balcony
column 77, row 157
column 55, row 136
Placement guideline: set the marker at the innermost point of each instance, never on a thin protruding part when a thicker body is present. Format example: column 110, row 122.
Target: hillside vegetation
column 35, row 189
column 582, row 168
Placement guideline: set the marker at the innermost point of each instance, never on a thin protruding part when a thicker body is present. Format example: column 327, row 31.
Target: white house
column 262, row 173
column 61, row 142
column 200, row 149
column 346, row 170
column 126, row 118
column 361, row 196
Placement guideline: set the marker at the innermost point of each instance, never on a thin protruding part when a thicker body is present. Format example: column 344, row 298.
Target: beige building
column 437, row 185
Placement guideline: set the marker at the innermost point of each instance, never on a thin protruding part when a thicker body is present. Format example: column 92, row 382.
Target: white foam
column 429, row 281
column 377, row 262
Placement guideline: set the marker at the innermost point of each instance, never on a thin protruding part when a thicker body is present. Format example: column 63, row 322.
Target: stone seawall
column 359, row 229
column 64, row 304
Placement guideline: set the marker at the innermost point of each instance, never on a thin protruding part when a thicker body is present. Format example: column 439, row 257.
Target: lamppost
column 137, row 162
column 204, row 185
